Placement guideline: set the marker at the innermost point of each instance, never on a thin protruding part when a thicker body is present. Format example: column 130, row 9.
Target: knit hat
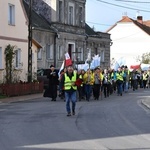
column 51, row 66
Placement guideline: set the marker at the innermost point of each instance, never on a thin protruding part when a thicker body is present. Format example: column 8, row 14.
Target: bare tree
column 146, row 58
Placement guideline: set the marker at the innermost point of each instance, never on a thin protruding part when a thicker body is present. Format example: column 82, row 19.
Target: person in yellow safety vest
column 119, row 81
column 68, row 82
column 145, row 79
column 88, row 80
column 98, row 78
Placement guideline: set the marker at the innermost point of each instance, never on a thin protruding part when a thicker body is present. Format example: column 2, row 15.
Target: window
column 18, row 58
column 60, row 52
column 96, row 51
column 60, row 11
column 11, row 14
column 33, row 58
column 80, row 54
column 39, row 54
column 80, row 17
column 49, row 52
column 89, row 54
column 0, row 58
column 71, row 15
column 102, row 56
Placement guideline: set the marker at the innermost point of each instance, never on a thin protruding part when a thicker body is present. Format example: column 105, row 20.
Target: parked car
column 42, row 76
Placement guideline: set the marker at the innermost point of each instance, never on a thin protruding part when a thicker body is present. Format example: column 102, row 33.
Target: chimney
column 123, row 17
column 140, row 19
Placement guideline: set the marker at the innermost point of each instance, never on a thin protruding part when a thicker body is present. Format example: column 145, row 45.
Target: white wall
column 15, row 35
column 129, row 41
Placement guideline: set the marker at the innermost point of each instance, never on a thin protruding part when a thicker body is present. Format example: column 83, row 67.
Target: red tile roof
column 144, row 25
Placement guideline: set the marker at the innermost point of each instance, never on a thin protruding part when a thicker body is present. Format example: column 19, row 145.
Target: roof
column 37, row 20
column 142, row 26
column 40, row 22
column 90, row 32
column 36, row 43
column 145, row 25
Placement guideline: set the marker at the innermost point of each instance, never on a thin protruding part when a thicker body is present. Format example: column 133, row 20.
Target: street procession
column 89, row 81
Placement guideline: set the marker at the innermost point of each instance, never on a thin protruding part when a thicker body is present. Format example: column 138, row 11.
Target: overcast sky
column 102, row 14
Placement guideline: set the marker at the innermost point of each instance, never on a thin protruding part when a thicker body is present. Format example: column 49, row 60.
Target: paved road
column 145, row 101
column 115, row 123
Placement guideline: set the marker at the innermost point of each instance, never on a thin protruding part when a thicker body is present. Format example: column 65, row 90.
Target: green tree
column 146, row 58
column 9, row 57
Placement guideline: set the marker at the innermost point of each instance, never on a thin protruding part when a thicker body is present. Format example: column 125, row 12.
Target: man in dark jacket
column 53, row 82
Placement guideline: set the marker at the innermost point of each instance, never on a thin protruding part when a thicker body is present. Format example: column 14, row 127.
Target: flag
column 135, row 66
column 68, row 60
column 95, row 62
column 61, row 68
column 78, row 82
column 145, row 66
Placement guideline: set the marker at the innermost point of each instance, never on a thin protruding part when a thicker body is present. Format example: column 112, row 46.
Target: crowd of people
column 76, row 85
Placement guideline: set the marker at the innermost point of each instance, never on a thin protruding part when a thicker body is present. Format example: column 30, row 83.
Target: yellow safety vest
column 145, row 76
column 119, row 76
column 70, row 83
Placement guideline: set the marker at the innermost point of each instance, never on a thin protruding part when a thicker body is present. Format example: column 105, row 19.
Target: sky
column 102, row 14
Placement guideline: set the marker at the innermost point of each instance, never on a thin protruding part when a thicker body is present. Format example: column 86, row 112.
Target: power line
column 98, row 23
column 131, row 1
column 122, row 6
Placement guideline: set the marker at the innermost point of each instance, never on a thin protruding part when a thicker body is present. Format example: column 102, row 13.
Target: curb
column 145, row 104
column 21, row 98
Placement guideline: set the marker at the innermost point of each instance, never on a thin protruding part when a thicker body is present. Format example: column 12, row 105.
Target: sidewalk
column 145, row 102
column 21, row 98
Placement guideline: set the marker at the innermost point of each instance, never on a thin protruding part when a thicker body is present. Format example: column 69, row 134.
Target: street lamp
column 30, row 43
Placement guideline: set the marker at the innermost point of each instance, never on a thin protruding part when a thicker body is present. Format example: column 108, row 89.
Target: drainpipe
column 55, row 48
column 30, row 43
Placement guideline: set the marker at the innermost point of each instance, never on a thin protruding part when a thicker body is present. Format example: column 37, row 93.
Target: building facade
column 65, row 30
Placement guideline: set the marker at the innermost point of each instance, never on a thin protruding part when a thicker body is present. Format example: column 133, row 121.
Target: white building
column 14, row 31
column 130, row 38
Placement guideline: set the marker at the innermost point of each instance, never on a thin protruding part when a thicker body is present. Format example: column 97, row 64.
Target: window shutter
column 102, row 56
column 39, row 54
column 47, row 51
column 18, row 58
column 80, row 55
column 60, row 52
column 51, row 52
column 32, row 57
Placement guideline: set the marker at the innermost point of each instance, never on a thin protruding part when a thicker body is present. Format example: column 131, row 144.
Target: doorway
column 71, row 50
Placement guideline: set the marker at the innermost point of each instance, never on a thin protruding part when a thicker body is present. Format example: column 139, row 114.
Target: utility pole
column 30, row 43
